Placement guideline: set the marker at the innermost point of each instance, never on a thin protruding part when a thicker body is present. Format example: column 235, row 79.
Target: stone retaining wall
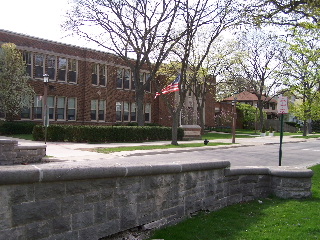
column 46, row 202
column 11, row 153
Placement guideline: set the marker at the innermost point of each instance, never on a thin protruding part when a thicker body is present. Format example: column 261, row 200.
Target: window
column 266, row 105
column 51, row 107
column 62, row 69
column 126, row 112
column 102, row 75
column 25, row 113
column 39, row 66
column 37, row 107
column 51, row 65
column 72, row 70
column 148, row 87
column 142, row 78
column 118, row 111
column 94, row 104
column 119, row 78
column 71, row 109
column 61, row 107
column 133, row 86
column 133, row 113
column 94, row 76
column 126, row 81
column 102, row 107
column 147, row 112
column 27, row 58
column 273, row 106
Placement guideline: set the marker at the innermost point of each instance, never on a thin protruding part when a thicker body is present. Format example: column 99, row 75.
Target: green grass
column 273, row 219
column 151, row 147
column 224, row 136
column 309, row 136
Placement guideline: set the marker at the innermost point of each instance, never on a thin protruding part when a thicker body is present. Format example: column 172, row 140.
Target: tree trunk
column 201, row 118
column 139, row 102
column 175, row 125
column 305, row 127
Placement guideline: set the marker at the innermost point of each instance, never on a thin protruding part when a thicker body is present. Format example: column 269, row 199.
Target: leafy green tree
column 301, row 74
column 248, row 113
column 15, row 92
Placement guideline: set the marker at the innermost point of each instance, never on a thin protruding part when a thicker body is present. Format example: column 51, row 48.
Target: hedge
column 10, row 128
column 70, row 133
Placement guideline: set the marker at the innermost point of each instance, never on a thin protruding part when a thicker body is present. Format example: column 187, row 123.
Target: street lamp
column 234, row 118
column 45, row 112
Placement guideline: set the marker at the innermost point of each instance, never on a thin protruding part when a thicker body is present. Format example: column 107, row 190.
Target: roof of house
column 248, row 96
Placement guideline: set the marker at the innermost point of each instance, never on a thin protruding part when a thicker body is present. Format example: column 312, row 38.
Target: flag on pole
column 173, row 87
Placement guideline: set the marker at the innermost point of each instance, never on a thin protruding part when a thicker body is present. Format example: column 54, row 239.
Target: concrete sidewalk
column 80, row 151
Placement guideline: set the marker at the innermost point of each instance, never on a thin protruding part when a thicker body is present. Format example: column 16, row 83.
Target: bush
column 10, row 128
column 72, row 133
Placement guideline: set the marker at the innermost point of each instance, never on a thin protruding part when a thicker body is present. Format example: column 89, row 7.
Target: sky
column 38, row 18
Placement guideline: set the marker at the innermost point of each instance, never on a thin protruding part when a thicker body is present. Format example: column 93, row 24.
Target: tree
column 248, row 113
column 301, row 73
column 140, row 32
column 259, row 65
column 284, row 12
column 205, row 19
column 15, row 92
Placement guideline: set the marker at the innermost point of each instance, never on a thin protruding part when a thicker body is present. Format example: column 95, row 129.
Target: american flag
column 173, row 87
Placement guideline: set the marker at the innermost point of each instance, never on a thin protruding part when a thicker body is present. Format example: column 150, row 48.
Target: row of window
column 59, row 108
column 58, row 68
column 62, row 108
column 125, row 111
column 66, row 70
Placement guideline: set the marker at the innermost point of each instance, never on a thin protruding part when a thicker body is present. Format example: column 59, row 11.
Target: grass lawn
column 151, row 147
column 273, row 219
column 225, row 135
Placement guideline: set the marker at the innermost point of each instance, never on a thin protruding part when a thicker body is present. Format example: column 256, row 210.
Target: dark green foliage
column 10, row 128
column 293, row 124
column 71, row 133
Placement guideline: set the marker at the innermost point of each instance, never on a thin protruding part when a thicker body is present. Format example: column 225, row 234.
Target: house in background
column 86, row 86
column 269, row 106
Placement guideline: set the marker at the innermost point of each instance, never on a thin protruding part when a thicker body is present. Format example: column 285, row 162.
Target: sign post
column 282, row 108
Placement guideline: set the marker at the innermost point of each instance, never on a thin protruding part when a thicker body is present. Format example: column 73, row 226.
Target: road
column 294, row 154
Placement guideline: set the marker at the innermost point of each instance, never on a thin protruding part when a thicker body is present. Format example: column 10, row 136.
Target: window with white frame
column 37, row 107
column 51, row 107
column 147, row 112
column 102, row 75
column 133, row 85
column 102, row 110
column 72, row 70
column 148, row 86
column 27, row 58
column 62, row 69
column 127, row 79
column 61, row 108
column 126, row 112
column 72, row 103
column 119, row 82
column 39, row 65
column 94, row 107
column 118, row 111
column 94, row 74
column 133, row 112
column 51, row 67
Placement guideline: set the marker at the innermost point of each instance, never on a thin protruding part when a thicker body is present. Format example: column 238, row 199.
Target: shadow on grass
column 269, row 218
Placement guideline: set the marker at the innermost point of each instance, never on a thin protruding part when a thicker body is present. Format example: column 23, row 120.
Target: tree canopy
column 15, row 92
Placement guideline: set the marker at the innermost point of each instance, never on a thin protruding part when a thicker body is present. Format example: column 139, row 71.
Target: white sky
column 38, row 18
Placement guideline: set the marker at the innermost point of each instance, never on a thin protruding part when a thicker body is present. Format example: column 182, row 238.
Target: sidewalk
column 80, row 151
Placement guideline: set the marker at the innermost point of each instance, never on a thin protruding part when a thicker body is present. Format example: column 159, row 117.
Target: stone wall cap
column 252, row 170
column 294, row 172
column 8, row 141
column 190, row 126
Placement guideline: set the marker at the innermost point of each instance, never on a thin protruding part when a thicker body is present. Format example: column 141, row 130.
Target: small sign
column 282, row 106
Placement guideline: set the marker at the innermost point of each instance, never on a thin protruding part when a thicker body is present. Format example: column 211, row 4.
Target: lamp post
column 45, row 112
column 234, row 119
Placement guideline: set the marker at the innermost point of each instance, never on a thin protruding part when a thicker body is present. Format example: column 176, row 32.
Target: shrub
column 10, row 128
column 104, row 133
